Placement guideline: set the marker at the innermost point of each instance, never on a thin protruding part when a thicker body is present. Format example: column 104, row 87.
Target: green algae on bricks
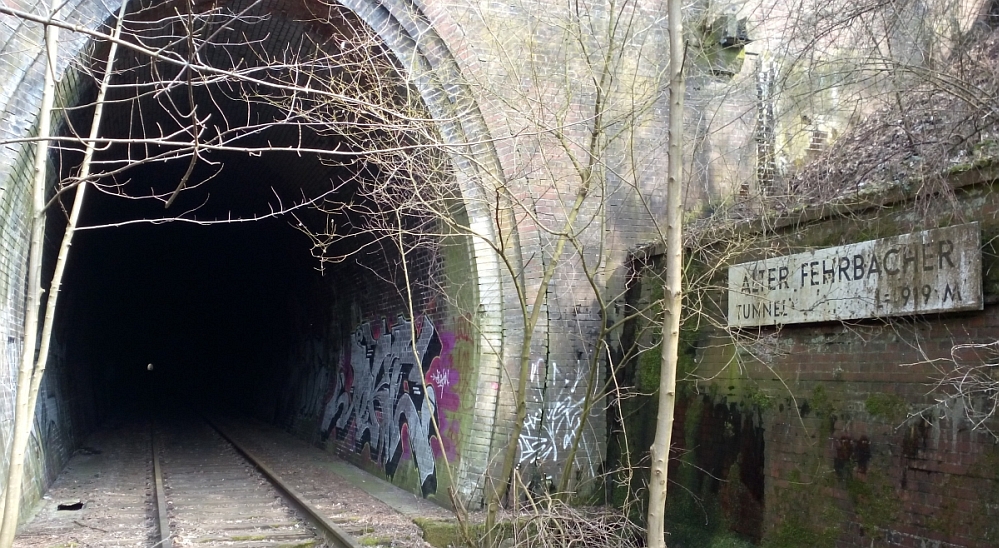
column 824, row 409
column 806, row 517
column 984, row 519
column 757, row 400
column 886, row 406
column 691, row 330
column 442, row 534
column 874, row 501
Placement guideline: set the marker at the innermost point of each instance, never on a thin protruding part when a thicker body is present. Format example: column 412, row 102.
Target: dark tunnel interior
column 213, row 301
column 208, row 306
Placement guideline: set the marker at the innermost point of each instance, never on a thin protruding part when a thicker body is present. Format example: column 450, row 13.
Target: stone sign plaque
column 935, row 270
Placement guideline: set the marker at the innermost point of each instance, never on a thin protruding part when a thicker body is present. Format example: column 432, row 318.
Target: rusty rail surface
column 165, row 539
column 217, row 499
column 331, row 532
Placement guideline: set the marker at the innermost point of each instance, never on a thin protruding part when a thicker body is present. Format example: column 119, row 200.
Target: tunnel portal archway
column 239, row 311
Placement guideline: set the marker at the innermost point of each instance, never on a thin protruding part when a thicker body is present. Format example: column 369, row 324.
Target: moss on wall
column 691, row 333
column 800, row 511
column 823, row 408
column 875, row 501
column 807, row 516
column 984, row 519
column 830, row 404
column 888, row 407
column 703, row 511
column 719, row 502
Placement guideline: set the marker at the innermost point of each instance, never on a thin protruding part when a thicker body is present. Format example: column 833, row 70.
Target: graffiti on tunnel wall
column 380, row 400
column 555, row 415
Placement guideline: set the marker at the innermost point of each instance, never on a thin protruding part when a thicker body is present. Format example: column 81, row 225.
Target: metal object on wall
column 936, row 270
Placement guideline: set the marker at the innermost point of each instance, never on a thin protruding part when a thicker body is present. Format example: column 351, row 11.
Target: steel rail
column 331, row 532
column 165, row 539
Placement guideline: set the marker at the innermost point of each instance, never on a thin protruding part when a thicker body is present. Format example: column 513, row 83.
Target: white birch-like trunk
column 74, row 217
column 32, row 370
column 672, row 294
column 23, row 414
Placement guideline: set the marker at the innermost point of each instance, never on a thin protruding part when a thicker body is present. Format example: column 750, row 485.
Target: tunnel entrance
column 210, row 307
column 238, row 219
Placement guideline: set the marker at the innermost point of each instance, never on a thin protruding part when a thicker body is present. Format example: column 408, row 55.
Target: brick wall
column 66, row 408
column 513, row 94
column 839, row 433
column 496, row 108
column 318, row 347
column 351, row 378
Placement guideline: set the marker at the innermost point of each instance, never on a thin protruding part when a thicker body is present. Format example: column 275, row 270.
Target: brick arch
column 425, row 43
column 435, row 71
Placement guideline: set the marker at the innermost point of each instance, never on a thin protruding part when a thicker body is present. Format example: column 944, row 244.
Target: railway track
column 179, row 483
column 209, row 491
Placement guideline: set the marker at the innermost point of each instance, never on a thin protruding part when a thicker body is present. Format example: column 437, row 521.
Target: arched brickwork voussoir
column 414, row 39
column 435, row 71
